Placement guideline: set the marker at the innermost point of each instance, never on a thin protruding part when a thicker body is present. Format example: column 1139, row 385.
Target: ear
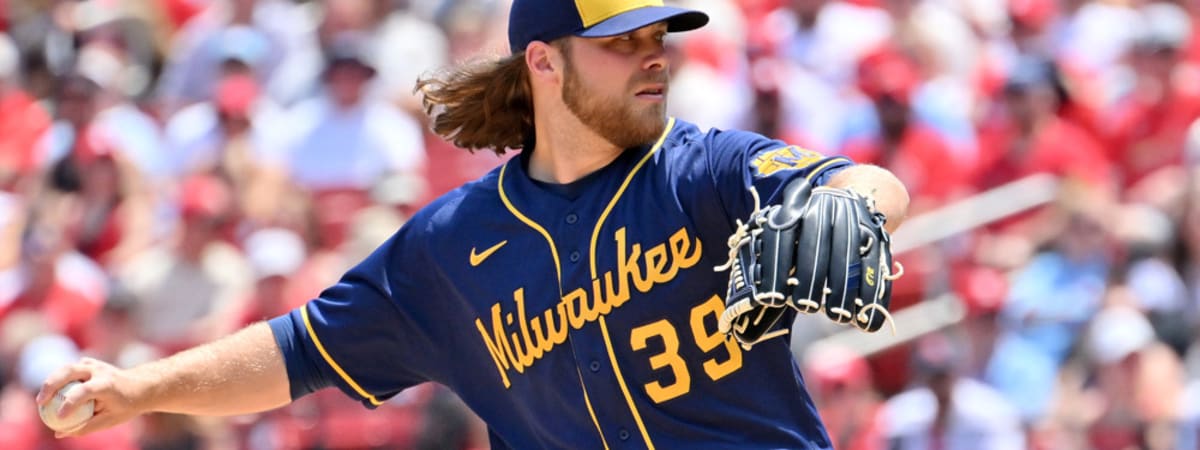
column 545, row 62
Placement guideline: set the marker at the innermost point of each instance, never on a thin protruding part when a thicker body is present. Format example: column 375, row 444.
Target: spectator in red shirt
column 1024, row 134
column 22, row 121
column 916, row 153
column 108, row 211
column 105, row 212
column 1149, row 125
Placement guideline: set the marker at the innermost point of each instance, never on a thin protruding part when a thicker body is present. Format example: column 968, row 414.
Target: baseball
column 49, row 411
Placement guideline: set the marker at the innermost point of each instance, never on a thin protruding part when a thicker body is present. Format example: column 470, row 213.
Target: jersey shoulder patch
column 784, row 158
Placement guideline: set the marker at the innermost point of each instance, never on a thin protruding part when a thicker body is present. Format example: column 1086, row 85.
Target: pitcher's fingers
column 60, row 377
column 98, row 422
column 77, row 397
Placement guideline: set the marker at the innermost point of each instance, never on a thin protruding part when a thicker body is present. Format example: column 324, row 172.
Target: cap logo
column 592, row 12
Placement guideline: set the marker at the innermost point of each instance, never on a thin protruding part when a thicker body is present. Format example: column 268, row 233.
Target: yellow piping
column 531, row 224
column 587, row 401
column 823, row 166
column 329, row 359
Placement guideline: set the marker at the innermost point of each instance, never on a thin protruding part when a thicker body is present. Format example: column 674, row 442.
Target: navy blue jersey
column 574, row 318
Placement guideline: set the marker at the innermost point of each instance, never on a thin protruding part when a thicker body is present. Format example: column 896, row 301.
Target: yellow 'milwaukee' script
column 517, row 346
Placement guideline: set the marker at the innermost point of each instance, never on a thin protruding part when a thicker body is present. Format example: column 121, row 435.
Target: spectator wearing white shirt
column 345, row 141
column 200, row 136
column 189, row 287
column 231, row 137
column 948, row 411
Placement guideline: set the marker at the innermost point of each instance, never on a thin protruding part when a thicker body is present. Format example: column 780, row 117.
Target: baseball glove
column 820, row 249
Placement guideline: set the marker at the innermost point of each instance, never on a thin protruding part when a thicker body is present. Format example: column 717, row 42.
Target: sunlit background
column 171, row 170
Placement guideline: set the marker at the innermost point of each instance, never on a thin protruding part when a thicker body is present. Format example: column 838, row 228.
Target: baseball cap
column 1164, row 26
column 547, row 20
column 241, row 43
column 274, row 252
column 886, row 72
column 1031, row 72
column 1117, row 332
column 204, row 196
column 350, row 48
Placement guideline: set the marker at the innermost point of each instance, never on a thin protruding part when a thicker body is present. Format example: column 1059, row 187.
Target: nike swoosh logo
column 477, row 258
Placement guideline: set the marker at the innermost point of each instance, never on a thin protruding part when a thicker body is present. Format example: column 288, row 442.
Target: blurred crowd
column 172, row 170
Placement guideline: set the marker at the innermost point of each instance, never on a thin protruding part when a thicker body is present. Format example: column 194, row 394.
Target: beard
column 620, row 121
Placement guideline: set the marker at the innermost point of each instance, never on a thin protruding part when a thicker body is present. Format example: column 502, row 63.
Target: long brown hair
column 481, row 104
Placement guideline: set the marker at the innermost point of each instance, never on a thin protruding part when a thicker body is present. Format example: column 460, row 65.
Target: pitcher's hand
column 116, row 394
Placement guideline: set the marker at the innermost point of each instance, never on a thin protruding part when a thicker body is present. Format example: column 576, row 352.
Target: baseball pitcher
column 621, row 283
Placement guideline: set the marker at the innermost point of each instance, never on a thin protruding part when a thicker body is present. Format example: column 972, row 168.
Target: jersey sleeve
column 740, row 160
column 371, row 333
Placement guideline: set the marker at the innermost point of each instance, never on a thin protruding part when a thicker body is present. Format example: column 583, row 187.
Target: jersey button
column 623, row 434
column 575, row 256
column 572, row 218
column 595, row 366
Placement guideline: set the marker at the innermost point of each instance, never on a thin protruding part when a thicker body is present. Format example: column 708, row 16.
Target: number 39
column 706, row 341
